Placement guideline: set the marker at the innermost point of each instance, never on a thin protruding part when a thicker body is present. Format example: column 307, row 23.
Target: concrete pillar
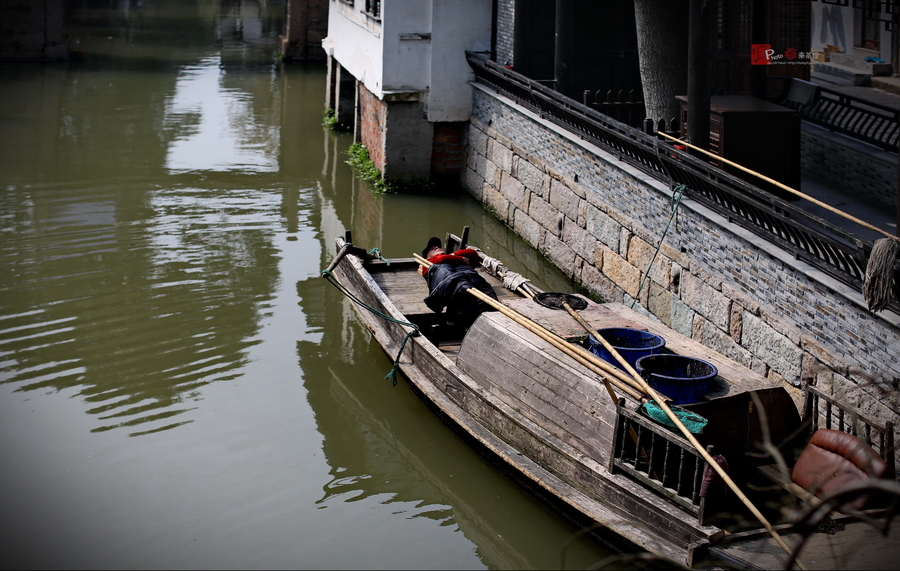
column 331, row 66
column 396, row 133
column 407, row 139
column 345, row 100
column 340, row 93
column 305, row 25
column 447, row 154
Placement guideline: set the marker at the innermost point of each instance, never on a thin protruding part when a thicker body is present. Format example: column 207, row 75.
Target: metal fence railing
column 837, row 252
column 863, row 120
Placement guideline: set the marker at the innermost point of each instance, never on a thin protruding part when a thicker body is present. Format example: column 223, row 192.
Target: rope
column 377, row 254
column 513, row 281
column 674, row 203
column 493, row 265
column 413, row 332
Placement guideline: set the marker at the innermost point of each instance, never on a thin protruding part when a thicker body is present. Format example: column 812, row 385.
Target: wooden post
column 698, row 94
column 563, row 49
column 759, row 34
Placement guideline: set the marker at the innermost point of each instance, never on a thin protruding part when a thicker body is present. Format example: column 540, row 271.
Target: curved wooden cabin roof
column 552, row 390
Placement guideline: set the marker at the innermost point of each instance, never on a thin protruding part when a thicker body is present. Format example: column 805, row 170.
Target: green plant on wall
column 329, row 119
column 362, row 165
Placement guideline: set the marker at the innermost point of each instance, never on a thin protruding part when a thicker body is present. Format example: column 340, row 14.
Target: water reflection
column 178, row 387
column 384, row 446
column 216, row 127
column 136, row 287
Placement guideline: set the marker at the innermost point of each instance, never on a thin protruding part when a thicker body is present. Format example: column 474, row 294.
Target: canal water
column 178, row 386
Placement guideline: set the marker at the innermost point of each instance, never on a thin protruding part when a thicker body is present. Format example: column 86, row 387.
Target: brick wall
column 447, row 149
column 506, row 16
column 372, row 124
column 600, row 221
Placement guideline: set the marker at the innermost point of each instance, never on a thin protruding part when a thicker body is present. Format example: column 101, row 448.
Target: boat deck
column 407, row 290
column 857, row 546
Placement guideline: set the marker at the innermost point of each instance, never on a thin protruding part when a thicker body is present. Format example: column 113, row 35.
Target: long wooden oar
column 660, row 401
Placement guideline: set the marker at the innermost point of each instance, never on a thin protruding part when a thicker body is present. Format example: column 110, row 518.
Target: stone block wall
column 600, row 221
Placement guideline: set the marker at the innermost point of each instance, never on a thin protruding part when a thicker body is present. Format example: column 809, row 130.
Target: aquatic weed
column 329, row 118
column 362, row 165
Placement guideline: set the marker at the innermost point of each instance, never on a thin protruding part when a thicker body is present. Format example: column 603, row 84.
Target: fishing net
column 693, row 422
column 555, row 300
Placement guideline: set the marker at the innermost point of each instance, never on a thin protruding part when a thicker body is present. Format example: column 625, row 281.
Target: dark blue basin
column 632, row 344
column 682, row 379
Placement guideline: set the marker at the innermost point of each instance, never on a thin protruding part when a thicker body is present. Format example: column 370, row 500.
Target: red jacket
column 454, row 259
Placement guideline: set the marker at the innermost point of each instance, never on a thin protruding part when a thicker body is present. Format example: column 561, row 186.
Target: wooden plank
column 858, row 546
column 637, row 507
column 541, row 383
column 774, row 475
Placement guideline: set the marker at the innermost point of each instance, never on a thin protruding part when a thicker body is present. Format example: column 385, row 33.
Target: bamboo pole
column 582, row 356
column 815, row 201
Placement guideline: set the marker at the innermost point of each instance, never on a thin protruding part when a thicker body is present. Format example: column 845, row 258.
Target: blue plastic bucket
column 632, row 344
column 682, row 379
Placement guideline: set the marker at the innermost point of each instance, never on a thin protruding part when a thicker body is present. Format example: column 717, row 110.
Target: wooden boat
column 549, row 422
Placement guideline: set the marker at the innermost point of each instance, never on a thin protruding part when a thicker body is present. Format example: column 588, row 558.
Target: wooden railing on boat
column 658, row 458
column 824, row 411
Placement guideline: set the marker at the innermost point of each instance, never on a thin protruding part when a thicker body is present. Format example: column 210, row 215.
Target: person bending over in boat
column 448, row 279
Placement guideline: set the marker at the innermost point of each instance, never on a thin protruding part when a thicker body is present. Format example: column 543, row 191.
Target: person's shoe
column 433, row 248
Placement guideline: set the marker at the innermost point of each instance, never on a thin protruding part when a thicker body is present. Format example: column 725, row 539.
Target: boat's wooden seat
column 408, row 290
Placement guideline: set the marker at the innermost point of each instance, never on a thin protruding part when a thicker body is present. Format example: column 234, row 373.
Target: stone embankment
column 600, row 221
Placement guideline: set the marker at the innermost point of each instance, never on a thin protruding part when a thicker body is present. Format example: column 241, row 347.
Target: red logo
column 761, row 54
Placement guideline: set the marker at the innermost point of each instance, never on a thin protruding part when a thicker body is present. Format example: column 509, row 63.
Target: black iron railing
column 625, row 107
column 869, row 122
column 373, row 8
column 830, row 248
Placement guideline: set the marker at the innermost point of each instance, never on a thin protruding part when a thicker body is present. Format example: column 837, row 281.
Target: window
column 373, row 8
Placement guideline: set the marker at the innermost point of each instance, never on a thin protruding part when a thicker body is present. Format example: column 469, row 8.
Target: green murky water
column 178, row 387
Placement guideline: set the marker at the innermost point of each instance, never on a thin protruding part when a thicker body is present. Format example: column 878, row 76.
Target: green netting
column 693, row 422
